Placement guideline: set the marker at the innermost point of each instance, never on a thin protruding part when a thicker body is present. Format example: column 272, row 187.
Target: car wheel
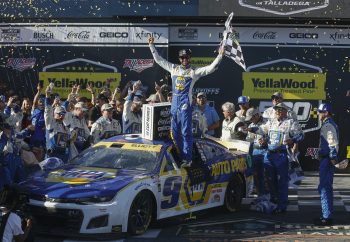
column 233, row 195
column 140, row 214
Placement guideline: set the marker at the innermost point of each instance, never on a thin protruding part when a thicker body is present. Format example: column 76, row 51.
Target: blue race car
column 121, row 184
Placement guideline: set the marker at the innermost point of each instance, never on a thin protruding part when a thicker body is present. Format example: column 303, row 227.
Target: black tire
column 140, row 214
column 234, row 194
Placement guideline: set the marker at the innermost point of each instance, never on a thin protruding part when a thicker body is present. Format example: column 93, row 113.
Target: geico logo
column 303, row 36
column 114, row 35
column 226, row 167
column 282, row 83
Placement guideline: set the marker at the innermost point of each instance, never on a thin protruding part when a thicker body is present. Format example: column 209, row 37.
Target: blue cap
column 243, row 99
column 324, row 107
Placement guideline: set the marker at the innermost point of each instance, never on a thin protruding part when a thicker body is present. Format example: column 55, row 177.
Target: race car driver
column 183, row 76
column 327, row 154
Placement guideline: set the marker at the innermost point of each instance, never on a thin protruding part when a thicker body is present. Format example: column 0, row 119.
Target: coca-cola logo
column 262, row 35
column 83, row 35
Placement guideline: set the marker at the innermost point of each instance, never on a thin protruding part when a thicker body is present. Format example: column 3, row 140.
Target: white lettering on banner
column 208, row 91
column 303, row 35
column 287, row 7
column 302, row 109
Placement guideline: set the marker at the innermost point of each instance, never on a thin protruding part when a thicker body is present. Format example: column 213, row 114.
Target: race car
column 123, row 183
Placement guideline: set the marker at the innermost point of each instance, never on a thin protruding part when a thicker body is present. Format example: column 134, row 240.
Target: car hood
column 79, row 182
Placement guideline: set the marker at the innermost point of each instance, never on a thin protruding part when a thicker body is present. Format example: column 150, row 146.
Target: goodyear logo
column 227, row 167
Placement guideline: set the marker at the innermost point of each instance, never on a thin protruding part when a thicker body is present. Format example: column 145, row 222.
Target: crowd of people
column 47, row 126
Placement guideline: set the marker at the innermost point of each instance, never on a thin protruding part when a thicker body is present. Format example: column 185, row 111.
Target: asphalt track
column 216, row 225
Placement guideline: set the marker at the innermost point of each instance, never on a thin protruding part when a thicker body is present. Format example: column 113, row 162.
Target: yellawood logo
column 307, row 85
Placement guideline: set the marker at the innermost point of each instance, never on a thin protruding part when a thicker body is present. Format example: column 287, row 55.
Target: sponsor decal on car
column 138, row 65
column 81, row 175
column 145, row 147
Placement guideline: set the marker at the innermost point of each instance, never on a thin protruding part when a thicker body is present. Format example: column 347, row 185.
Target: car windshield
column 117, row 158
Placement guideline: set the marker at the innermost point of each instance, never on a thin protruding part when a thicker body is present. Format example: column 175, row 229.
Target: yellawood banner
column 261, row 85
column 64, row 81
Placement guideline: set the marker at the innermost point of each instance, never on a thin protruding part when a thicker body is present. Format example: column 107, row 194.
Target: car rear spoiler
column 233, row 145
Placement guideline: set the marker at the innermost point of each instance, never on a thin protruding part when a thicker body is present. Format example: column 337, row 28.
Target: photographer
column 11, row 223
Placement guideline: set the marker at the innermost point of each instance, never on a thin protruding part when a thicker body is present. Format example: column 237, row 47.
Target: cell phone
column 41, row 83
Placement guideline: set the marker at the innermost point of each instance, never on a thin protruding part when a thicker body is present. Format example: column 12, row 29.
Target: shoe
column 186, row 164
column 323, row 221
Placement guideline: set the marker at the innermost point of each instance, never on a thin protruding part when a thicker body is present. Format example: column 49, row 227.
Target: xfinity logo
column 43, row 36
column 146, row 35
column 83, row 35
column 116, row 35
column 303, row 36
column 284, row 7
column 338, row 36
column 267, row 35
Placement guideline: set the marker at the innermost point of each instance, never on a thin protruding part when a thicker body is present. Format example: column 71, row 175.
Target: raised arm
column 160, row 60
column 206, row 70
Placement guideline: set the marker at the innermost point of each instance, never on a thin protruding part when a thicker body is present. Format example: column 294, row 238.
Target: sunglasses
column 61, row 114
column 184, row 57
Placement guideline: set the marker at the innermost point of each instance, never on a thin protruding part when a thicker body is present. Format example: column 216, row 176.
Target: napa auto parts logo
column 138, row 65
column 302, row 86
column 284, row 7
column 20, row 64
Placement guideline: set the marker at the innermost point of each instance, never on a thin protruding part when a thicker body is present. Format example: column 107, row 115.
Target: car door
column 171, row 186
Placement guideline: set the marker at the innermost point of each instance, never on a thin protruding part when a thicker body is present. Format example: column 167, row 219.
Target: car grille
column 57, row 219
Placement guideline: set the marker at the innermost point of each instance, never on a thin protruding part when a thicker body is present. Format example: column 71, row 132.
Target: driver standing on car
column 105, row 126
column 183, row 76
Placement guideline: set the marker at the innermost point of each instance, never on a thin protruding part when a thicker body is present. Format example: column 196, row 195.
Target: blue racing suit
column 258, row 155
column 276, row 160
column 183, row 80
column 328, row 150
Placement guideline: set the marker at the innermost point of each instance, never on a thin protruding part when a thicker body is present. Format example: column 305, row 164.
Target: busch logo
column 138, row 65
column 83, row 35
column 313, row 152
column 43, row 36
column 267, row 35
column 21, row 64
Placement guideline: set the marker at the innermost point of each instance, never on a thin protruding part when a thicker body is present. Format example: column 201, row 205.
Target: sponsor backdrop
column 276, row 8
column 308, row 65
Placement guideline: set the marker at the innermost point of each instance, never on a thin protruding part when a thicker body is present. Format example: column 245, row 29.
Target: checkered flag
column 230, row 43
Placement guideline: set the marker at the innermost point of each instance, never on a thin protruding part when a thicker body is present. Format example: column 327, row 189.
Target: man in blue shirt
column 327, row 154
column 210, row 113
